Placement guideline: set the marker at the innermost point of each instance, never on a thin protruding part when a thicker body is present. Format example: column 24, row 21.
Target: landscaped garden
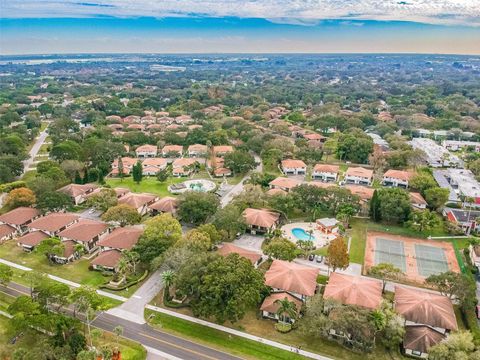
column 147, row 185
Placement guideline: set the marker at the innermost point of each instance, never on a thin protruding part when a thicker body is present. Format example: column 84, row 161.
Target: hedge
column 12, row 185
column 127, row 285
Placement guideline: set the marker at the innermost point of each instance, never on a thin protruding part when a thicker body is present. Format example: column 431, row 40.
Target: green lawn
column 77, row 271
column 148, row 184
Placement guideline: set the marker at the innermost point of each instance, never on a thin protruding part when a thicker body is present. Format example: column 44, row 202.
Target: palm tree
column 286, row 309
column 132, row 258
column 168, row 276
column 118, row 330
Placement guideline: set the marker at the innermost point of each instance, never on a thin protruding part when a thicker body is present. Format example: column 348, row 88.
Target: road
column 34, row 150
column 172, row 346
column 238, row 189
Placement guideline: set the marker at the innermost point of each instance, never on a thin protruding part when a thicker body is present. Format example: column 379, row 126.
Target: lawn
column 77, row 271
column 148, row 185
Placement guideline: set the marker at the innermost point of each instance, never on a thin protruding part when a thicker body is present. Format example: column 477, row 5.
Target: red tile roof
column 360, row 172
column 354, row 290
column 421, row 338
column 291, row 163
column 399, row 174
column 53, row 221
column 417, row 198
column 292, row 277
column 19, row 216
column 326, row 168
column 260, row 217
column 270, row 303
column 288, row 183
column 6, row 230
column 146, row 148
column 136, row 200
column 109, row 258
column 166, row 204
column 33, row 238
column 365, row 193
column 228, row 249
column 122, row 238
column 84, row 230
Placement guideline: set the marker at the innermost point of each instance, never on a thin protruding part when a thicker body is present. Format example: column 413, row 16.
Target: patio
column 306, row 231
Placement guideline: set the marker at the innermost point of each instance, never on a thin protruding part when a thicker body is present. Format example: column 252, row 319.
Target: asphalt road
column 34, row 150
column 144, row 334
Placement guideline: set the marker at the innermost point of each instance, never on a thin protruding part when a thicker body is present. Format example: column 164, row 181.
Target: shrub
column 283, row 327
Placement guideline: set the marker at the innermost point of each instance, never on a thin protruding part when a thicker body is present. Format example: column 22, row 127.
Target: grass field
column 148, row 184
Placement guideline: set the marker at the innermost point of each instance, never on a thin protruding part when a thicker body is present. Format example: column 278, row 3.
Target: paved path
column 35, row 149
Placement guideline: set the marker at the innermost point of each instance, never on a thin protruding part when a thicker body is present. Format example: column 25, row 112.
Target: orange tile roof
column 365, row 193
column 228, row 249
column 222, row 148
column 122, row 238
column 75, row 190
column 165, row 204
column 326, row 168
column 146, row 148
column 354, row 290
column 136, row 200
column 421, row 338
column 19, row 216
column 270, row 303
column 154, row 162
column 33, row 238
column 198, row 147
column 84, row 230
column 417, row 198
column 292, row 277
column 292, row 163
column 6, row 230
column 399, row 174
column 424, row 307
column 183, row 162
column 359, row 171
column 172, row 148
column 53, row 221
column 109, row 258
column 260, row 217
column 288, row 183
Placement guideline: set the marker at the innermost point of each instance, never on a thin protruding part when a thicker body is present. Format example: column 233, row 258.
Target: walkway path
column 34, row 150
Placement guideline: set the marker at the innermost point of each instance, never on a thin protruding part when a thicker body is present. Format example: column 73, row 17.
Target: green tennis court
column 430, row 260
column 390, row 251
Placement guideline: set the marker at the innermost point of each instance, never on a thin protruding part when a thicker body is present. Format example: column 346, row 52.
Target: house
column 146, row 151
column 151, row 166
column 417, row 201
column 293, row 167
column 429, row 317
column 127, row 163
column 228, row 248
column 455, row 145
column 69, row 253
column 365, row 194
column 475, row 255
column 197, row 150
column 397, row 178
column 285, row 184
column 275, row 192
column 354, row 290
column 7, row 232
column 107, row 260
column 172, row 150
column 166, row 204
column 31, row 239
column 270, row 306
column 465, row 219
column 222, row 150
column 298, row 280
column 183, row 167
column 325, row 172
column 86, row 232
column 435, row 155
column 359, row 176
column 19, row 218
column 314, row 137
column 327, row 225
column 121, row 192
column 222, row 172
column 260, row 220
column 140, row 202
column 122, row 238
column 78, row 192
column 53, row 223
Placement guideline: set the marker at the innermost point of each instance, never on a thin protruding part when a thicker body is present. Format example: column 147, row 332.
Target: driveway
column 250, row 242
column 92, row 215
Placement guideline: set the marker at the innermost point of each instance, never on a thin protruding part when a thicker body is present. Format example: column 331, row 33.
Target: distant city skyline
column 228, row 26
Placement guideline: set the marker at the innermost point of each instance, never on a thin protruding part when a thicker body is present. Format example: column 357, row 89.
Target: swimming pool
column 301, row 234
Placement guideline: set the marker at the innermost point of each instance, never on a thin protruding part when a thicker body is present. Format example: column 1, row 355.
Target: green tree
column 53, row 201
column 162, row 175
column 123, row 214
column 384, row 272
column 161, row 232
column 67, row 150
column 354, row 146
column 196, row 240
column 281, row 248
column 286, row 309
column 436, row 197
column 168, row 276
column 422, row 181
column 337, row 254
column 229, row 220
column 196, row 207
column 137, row 172
column 458, row 345
column 51, row 248
column 103, row 200
column 454, row 285
column 375, row 212
column 423, row 220
column 6, row 274
column 394, row 204
column 239, row 162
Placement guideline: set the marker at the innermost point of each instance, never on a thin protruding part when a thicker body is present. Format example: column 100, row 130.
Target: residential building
column 151, row 166
column 464, row 184
column 172, row 150
column 183, row 166
column 7, row 232
column 146, row 151
column 85, row 232
column 260, row 220
column 379, row 141
column 140, row 202
column 429, row 317
column 31, row 239
column 359, row 176
column 222, row 150
column 78, row 192
column 285, row 184
column 293, row 167
column 325, row 172
column 69, row 253
column 397, row 178
column 53, row 223
column 417, row 201
column 298, row 280
column 455, row 145
column 467, row 220
column 166, row 204
column 228, row 248
column 436, row 155
column 197, row 150
column 365, row 194
column 127, row 163
column 122, row 238
column 327, row 225
column 19, row 218
column 270, row 306
column 107, row 260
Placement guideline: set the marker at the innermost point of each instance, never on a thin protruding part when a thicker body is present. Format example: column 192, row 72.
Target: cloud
column 298, row 12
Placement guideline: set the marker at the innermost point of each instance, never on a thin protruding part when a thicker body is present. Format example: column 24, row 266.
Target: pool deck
column 320, row 239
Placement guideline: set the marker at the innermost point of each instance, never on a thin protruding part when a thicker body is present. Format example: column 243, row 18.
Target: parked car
column 311, row 257
column 319, row 258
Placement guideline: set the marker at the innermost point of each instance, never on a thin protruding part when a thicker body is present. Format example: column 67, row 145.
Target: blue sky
column 190, row 26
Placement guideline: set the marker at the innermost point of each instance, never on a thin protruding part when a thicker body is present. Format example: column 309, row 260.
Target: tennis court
column 417, row 258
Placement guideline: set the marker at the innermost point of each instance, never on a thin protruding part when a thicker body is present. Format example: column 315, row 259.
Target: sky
column 230, row 26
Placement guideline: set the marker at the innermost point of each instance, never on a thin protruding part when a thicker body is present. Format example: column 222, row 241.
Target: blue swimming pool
column 301, row 234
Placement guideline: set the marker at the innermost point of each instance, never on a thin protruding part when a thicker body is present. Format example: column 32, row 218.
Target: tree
column 252, row 196
column 423, row 220
column 162, row 175
column 354, row 146
column 168, row 276
column 394, row 204
column 103, row 200
column 72, row 168
column 220, row 287
column 196, row 240
column 454, row 285
column 345, row 213
column 281, row 248
column 337, row 254
column 286, row 308
column 50, row 247
column 132, row 258
column 239, row 162
column 121, row 171
column 123, row 214
column 53, row 201
column 422, row 181
column 384, row 272
column 212, row 231
column 436, row 197
column 20, row 197
column 229, row 220
column 196, row 207
column 67, row 150
column 458, row 345
column 161, row 232
column 6, row 274
column 85, row 299
column 137, row 172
